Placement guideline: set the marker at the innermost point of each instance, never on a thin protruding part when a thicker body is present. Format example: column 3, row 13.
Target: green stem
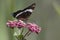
column 22, row 31
column 26, row 33
column 17, row 38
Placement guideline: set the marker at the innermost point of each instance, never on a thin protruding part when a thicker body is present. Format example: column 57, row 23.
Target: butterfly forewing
column 25, row 13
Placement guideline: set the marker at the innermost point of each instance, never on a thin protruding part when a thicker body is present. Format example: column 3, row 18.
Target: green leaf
column 20, row 37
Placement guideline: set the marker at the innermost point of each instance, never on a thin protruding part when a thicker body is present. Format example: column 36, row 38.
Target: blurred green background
column 46, row 14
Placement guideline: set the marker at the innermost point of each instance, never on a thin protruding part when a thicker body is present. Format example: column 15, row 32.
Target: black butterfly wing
column 25, row 13
column 17, row 12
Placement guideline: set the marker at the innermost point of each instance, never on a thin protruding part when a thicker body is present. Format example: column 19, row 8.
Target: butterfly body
column 25, row 13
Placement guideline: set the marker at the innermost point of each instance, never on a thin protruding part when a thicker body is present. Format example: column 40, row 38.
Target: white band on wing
column 19, row 14
column 30, row 10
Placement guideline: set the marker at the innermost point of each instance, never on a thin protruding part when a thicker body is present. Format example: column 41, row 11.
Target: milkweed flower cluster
column 11, row 24
column 19, row 24
column 32, row 27
column 15, row 23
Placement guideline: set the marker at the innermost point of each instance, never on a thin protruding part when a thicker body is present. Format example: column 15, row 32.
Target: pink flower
column 20, row 24
column 33, row 27
column 16, row 23
column 11, row 24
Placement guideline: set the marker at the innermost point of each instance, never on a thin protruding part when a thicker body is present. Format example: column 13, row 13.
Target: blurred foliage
column 57, row 7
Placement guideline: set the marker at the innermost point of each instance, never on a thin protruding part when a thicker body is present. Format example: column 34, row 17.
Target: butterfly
column 25, row 13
